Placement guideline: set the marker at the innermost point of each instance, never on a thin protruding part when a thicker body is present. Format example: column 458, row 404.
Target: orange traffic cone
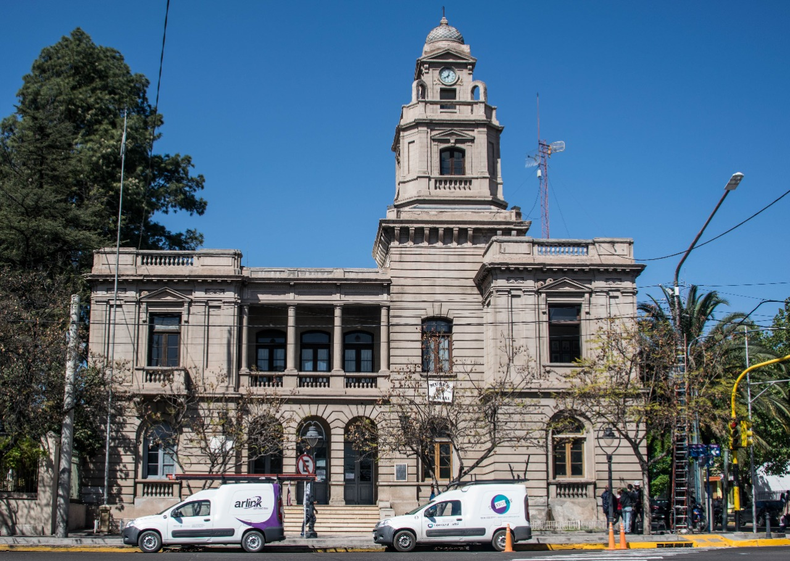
column 611, row 536
column 622, row 545
column 508, row 541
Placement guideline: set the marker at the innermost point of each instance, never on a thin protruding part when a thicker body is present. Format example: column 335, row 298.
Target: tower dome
column 445, row 32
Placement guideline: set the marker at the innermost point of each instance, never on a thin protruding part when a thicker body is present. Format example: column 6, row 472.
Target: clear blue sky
column 289, row 110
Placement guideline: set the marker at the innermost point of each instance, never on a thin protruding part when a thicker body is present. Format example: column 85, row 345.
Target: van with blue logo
column 477, row 512
column 247, row 514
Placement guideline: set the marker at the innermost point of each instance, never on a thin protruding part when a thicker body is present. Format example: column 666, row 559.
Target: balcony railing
column 156, row 378
column 313, row 381
column 158, row 489
column 361, row 382
column 572, row 489
column 258, row 380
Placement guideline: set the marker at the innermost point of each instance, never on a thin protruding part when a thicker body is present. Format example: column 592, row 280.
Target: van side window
column 198, row 508
column 448, row 508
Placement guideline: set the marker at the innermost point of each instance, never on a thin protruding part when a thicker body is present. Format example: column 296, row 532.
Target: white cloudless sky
column 289, row 110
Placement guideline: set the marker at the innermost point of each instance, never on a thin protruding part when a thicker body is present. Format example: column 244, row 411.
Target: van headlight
column 385, row 522
column 130, row 524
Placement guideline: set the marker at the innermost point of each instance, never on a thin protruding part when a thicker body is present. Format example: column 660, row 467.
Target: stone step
column 332, row 519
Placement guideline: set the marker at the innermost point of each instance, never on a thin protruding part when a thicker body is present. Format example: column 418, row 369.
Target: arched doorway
column 320, row 453
column 359, row 462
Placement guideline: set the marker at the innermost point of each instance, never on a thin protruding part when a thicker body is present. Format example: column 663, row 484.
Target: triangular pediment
column 452, row 135
column 165, row 295
column 564, row 285
column 448, row 55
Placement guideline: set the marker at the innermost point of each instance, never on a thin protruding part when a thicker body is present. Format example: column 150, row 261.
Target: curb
column 22, row 543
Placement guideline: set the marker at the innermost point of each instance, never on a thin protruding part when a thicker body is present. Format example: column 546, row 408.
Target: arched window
column 568, row 439
column 266, row 446
column 452, row 161
column 437, row 344
column 358, row 352
column 159, row 452
column 270, row 351
column 315, row 351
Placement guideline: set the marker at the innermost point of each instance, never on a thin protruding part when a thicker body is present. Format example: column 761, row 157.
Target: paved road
column 680, row 554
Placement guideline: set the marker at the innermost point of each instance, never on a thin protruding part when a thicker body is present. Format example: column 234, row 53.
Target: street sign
column 305, row 465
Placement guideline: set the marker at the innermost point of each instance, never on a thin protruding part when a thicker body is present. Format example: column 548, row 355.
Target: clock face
column 447, row 75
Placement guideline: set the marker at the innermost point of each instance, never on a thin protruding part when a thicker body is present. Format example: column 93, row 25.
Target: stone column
column 290, row 351
column 384, row 346
column 337, row 341
column 245, row 338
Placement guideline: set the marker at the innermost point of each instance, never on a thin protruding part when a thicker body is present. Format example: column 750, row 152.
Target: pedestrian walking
column 627, row 500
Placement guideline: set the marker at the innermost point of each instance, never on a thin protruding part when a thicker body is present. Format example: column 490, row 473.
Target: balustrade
column 160, row 259
column 573, row 490
column 562, row 249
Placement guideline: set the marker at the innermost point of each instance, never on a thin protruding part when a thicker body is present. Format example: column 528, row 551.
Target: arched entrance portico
column 320, row 454
column 359, row 462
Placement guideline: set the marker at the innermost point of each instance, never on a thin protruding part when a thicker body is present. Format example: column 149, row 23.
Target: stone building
column 451, row 260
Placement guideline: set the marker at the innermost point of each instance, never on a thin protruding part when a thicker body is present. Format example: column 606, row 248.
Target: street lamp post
column 609, row 442
column 680, row 367
column 312, row 437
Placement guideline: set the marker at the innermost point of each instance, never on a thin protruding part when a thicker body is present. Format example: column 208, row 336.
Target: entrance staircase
column 334, row 520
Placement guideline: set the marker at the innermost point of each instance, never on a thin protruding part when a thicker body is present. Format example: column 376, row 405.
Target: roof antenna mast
column 540, row 159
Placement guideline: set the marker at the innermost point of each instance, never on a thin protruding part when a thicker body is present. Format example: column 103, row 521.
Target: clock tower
column 447, row 140
column 448, row 183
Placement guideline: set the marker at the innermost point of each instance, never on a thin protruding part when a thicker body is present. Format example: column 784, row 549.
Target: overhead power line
column 723, row 233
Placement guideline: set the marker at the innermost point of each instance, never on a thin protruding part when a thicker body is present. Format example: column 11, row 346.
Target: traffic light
column 747, row 435
column 735, row 435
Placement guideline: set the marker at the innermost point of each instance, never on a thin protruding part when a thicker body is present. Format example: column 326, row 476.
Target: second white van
column 478, row 512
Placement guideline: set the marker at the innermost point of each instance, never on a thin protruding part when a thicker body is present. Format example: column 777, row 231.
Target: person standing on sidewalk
column 606, row 504
column 627, row 500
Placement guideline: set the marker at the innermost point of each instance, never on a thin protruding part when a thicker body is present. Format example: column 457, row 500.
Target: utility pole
column 67, row 432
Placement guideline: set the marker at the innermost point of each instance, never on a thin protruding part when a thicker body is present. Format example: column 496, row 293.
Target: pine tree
column 60, row 163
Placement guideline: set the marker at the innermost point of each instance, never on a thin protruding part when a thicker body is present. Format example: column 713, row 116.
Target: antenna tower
column 541, row 160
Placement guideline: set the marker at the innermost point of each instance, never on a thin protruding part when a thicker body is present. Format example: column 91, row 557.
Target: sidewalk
column 87, row 541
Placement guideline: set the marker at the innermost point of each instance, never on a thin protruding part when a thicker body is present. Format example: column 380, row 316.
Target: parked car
column 475, row 513
column 771, row 508
column 659, row 512
column 248, row 514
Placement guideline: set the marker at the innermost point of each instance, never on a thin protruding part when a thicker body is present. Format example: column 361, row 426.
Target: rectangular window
column 271, row 359
column 441, row 459
column 569, row 458
column 447, row 93
column 20, row 476
column 564, row 333
column 164, row 346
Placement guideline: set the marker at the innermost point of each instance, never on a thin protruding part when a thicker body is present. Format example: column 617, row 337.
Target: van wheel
column 253, row 541
column 499, row 540
column 149, row 542
column 403, row 541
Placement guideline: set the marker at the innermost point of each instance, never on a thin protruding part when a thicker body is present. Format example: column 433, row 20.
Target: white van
column 248, row 514
column 478, row 512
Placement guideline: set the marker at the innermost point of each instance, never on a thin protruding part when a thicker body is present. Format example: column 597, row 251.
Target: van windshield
column 419, row 508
